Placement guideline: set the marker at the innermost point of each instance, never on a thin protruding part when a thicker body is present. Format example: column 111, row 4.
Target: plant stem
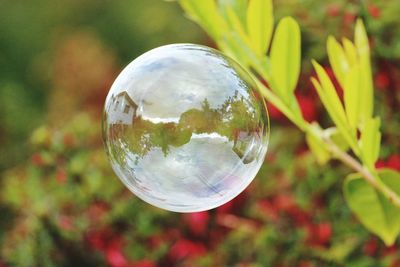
column 336, row 151
column 366, row 174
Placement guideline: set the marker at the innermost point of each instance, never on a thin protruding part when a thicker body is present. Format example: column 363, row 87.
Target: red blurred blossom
column 61, row 176
column 380, row 164
column 390, row 250
column 143, row 263
column 374, row 11
column 268, row 209
column 284, row 202
column 370, row 247
column 233, row 205
column 304, row 263
column 349, row 18
column 394, row 162
column 97, row 210
column 155, row 241
column 308, row 108
column 184, row 248
column 274, row 112
column 333, row 10
column 115, row 257
column 382, row 80
column 37, row 160
column 395, row 263
column 114, row 252
column 65, row 223
column 319, row 234
column 68, row 140
column 197, row 222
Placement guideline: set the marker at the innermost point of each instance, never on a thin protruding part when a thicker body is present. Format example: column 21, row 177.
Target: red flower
column 186, row 249
column 197, row 222
column 374, row 11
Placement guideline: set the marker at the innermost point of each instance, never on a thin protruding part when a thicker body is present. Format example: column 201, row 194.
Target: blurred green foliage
column 32, row 34
column 61, row 204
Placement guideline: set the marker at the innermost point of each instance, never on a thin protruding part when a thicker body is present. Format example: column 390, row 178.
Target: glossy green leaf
column 333, row 105
column 351, row 94
column 260, row 23
column 285, row 58
column 337, row 59
column 374, row 211
column 351, row 52
column 370, row 141
column 362, row 46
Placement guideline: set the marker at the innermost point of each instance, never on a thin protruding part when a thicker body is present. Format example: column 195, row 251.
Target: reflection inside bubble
column 184, row 128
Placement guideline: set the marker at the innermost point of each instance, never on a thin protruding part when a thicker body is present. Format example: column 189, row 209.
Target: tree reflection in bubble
column 184, row 128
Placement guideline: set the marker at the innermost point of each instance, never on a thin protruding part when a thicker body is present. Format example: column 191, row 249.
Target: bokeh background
column 61, row 204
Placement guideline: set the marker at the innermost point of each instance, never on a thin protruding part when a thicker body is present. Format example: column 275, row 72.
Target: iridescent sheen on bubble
column 184, row 128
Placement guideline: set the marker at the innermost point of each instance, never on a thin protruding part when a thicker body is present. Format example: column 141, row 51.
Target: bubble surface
column 184, row 128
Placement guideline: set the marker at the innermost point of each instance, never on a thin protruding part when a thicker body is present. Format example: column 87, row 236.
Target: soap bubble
column 184, row 128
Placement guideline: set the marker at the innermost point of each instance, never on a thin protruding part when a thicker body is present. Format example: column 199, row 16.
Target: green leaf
column 370, row 141
column 260, row 23
column 285, row 58
column 352, row 92
column 374, row 211
column 238, row 6
column 338, row 60
column 317, row 146
column 333, row 105
column 206, row 14
column 351, row 52
column 362, row 46
column 237, row 26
